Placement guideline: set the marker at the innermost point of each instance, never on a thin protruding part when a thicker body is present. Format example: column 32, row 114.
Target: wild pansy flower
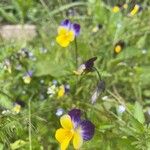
column 17, row 106
column 99, row 89
column 62, row 90
column 116, row 9
column 86, row 67
column 75, row 129
column 119, row 7
column 119, row 47
column 67, row 32
column 28, row 77
column 135, row 10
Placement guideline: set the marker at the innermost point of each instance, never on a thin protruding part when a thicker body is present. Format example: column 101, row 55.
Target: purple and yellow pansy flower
column 62, row 90
column 86, row 67
column 137, row 8
column 119, row 47
column 74, row 129
column 67, row 32
column 27, row 77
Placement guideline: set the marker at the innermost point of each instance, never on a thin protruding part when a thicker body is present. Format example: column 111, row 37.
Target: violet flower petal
column 87, row 129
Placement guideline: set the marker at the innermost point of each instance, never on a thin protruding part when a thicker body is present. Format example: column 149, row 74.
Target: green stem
column 29, row 129
column 100, row 78
column 76, row 53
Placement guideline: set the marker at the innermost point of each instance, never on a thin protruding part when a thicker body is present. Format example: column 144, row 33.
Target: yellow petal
column 76, row 73
column 66, row 122
column 63, row 136
column 16, row 108
column 27, row 79
column 71, row 36
column 65, row 36
column 118, row 49
column 135, row 10
column 62, row 41
column 77, row 140
column 61, row 91
column 62, row 30
column 116, row 9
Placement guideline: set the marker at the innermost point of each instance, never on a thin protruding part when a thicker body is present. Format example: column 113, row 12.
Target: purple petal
column 90, row 63
column 76, row 29
column 75, row 115
column 30, row 73
column 88, row 129
column 66, row 23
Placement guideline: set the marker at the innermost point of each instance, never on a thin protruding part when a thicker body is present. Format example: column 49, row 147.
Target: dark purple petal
column 90, row 63
column 75, row 115
column 66, row 23
column 88, row 129
column 76, row 29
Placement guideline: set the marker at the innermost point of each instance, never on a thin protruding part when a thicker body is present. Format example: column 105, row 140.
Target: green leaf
column 138, row 112
column 1, row 146
column 17, row 144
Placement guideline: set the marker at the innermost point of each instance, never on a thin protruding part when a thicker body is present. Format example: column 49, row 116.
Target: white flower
column 51, row 90
column 121, row 109
column 59, row 112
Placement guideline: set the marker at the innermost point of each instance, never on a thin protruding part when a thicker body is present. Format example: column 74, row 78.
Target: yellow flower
column 135, row 10
column 67, row 32
column 74, row 129
column 16, row 109
column 65, row 36
column 116, row 9
column 61, row 91
column 27, row 79
column 67, row 133
column 125, row 6
column 118, row 49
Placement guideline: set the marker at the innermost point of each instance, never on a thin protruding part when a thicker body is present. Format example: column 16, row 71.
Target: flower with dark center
column 119, row 47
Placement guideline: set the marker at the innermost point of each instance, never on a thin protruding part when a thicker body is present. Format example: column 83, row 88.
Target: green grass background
column 127, row 75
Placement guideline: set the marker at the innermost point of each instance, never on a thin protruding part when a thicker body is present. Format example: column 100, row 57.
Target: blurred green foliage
column 127, row 74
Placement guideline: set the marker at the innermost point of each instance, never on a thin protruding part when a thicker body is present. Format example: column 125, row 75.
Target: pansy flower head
column 18, row 104
column 86, row 67
column 27, row 77
column 74, row 129
column 62, row 90
column 116, row 9
column 137, row 8
column 67, row 32
column 119, row 47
